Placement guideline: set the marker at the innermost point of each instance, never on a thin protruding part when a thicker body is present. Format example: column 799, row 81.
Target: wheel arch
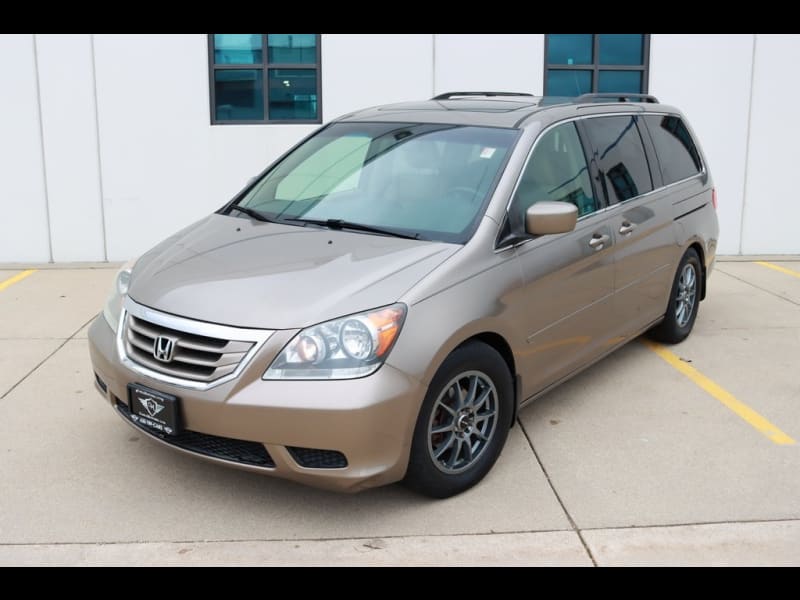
column 503, row 348
column 698, row 247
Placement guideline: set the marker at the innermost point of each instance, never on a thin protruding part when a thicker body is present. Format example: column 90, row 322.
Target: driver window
column 557, row 171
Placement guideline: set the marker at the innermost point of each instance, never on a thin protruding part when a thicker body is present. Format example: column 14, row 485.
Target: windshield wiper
column 252, row 213
column 342, row 224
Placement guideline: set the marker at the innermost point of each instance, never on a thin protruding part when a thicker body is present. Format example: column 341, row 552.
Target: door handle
column 598, row 241
column 626, row 228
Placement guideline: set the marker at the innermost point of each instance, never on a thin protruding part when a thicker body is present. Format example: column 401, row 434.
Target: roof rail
column 623, row 97
column 449, row 95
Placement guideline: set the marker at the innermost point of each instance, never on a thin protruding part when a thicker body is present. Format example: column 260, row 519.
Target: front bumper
column 370, row 421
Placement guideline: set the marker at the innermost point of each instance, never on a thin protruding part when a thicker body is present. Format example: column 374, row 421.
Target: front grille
column 195, row 357
column 314, row 458
column 238, row 451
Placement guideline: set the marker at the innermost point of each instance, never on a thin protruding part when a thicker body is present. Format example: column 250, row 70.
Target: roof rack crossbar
column 449, row 95
column 622, row 97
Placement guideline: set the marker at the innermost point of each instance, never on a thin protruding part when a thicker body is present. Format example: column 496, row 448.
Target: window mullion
column 265, row 73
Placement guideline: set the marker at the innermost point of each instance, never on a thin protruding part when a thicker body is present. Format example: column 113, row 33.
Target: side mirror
column 543, row 218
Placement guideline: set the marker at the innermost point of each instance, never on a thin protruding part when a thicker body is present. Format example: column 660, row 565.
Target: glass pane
column 292, row 48
column 239, row 94
column 237, row 48
column 620, row 81
column 569, row 48
column 568, row 82
column 558, row 172
column 429, row 179
column 621, row 155
column 336, row 168
column 677, row 153
column 293, row 94
column 621, row 48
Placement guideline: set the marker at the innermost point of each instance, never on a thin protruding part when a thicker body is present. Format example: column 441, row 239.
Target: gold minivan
column 378, row 304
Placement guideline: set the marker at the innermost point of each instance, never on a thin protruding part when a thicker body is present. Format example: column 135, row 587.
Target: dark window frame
column 595, row 67
column 264, row 66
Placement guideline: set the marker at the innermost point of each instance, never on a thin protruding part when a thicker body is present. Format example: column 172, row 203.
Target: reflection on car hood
column 244, row 273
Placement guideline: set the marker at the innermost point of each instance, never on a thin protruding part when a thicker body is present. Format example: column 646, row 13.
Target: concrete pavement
column 631, row 462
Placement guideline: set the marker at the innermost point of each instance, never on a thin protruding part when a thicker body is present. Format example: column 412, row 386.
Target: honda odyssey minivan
column 378, row 304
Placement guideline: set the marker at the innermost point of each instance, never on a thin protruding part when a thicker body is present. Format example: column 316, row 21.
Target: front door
column 565, row 303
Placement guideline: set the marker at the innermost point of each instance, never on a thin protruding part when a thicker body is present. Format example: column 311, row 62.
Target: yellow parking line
column 18, row 277
column 724, row 396
column 778, row 268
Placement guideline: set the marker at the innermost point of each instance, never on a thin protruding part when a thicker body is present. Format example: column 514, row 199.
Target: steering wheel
column 461, row 193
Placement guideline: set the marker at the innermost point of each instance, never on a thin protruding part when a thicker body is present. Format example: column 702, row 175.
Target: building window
column 580, row 63
column 264, row 77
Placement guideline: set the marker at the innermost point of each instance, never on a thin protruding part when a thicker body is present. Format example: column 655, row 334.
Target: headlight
column 346, row 348
column 113, row 306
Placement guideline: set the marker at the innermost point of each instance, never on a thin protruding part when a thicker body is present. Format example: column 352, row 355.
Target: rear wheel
column 463, row 423
column 684, row 301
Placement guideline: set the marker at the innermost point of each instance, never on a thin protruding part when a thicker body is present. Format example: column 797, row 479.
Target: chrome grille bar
column 204, row 354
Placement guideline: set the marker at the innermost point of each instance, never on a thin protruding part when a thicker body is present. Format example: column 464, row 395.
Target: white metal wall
column 106, row 146
column 708, row 78
column 24, row 232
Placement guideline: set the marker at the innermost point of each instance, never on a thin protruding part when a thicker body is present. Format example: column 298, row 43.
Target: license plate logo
column 154, row 410
column 151, row 406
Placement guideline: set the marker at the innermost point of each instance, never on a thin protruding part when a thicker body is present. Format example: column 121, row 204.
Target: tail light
column 714, row 197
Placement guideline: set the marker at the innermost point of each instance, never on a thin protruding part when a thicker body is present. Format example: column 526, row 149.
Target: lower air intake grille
column 101, row 383
column 314, row 458
column 238, row 451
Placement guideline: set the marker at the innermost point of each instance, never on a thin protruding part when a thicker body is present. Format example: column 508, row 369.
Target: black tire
column 478, row 362
column 676, row 326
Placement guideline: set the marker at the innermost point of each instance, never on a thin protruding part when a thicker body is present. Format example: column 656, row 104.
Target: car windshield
column 429, row 181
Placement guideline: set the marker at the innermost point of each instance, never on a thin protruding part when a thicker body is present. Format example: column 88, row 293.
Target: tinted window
column 292, row 48
column 239, row 95
column 621, row 48
column 556, row 171
column 579, row 63
column 265, row 77
column 570, row 49
column 677, row 154
column 571, row 82
column 620, row 156
column 619, row 81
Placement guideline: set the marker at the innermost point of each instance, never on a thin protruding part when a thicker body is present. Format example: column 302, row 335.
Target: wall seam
column 433, row 66
column 747, row 143
column 41, row 147
column 99, row 154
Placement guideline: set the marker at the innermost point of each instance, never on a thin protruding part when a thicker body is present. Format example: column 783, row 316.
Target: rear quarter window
column 677, row 153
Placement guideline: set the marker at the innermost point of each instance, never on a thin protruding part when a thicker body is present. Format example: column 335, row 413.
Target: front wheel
column 463, row 423
column 684, row 301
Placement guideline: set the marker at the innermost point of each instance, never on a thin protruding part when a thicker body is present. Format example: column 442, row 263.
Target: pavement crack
column 694, row 524
column 555, row 493
column 365, row 541
column 758, row 287
column 46, row 358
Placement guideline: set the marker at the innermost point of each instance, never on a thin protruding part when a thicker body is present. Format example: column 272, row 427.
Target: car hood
column 245, row 273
